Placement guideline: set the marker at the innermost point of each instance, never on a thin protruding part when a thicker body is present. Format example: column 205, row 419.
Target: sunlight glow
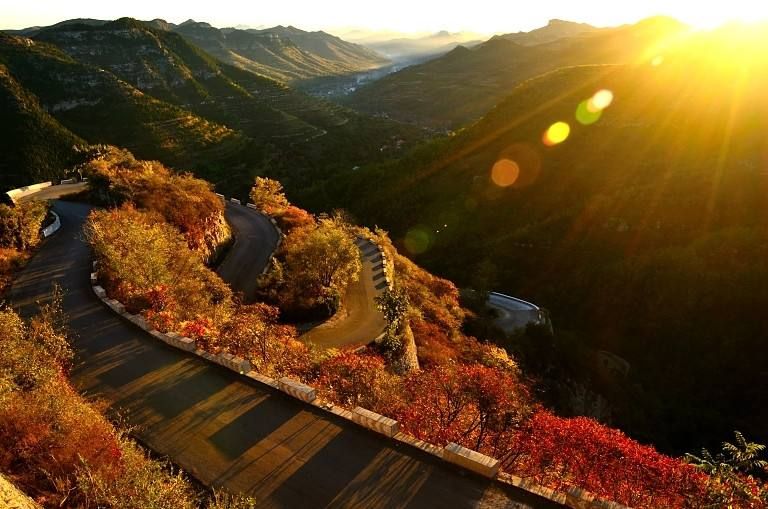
column 556, row 134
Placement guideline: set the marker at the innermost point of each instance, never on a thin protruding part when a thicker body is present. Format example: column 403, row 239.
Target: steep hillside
column 34, row 145
column 167, row 67
column 644, row 232
column 469, row 82
column 178, row 104
column 100, row 108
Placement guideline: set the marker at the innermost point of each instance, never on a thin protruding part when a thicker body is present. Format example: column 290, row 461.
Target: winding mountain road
column 357, row 323
column 255, row 241
column 227, row 430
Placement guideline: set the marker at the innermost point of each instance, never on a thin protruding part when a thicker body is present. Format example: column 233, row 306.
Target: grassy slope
column 284, row 54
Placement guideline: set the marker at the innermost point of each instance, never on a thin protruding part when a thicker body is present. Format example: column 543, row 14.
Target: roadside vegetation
column 59, row 448
column 20, row 227
column 468, row 390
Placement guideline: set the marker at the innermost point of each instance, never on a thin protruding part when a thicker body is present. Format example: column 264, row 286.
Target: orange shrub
column 353, row 379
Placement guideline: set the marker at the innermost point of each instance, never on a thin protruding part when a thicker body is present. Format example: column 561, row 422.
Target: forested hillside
column 462, row 86
column 34, row 146
column 128, row 84
column 286, row 54
column 628, row 200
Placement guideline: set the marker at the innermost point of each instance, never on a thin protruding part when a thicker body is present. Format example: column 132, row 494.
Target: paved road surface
column 230, row 431
column 359, row 321
column 255, row 240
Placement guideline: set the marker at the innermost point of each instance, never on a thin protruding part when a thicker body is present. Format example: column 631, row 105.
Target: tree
column 267, row 194
column 148, row 264
column 20, row 225
column 394, row 304
column 473, row 405
column 731, row 472
column 320, row 262
column 253, row 332
column 358, row 380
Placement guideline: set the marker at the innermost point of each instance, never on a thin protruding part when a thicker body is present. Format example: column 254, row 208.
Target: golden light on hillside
column 505, row 172
column 556, row 134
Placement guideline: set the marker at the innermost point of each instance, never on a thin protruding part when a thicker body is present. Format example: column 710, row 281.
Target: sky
column 480, row 16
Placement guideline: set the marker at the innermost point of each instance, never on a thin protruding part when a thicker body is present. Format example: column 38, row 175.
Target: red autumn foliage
column 473, row 405
column 353, row 379
column 434, row 345
column 580, row 452
column 254, row 333
column 293, row 217
column 198, row 328
column 163, row 321
column 50, row 430
column 186, row 202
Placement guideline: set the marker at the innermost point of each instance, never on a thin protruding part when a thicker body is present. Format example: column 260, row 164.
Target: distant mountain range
column 135, row 85
column 469, row 82
column 409, row 49
column 282, row 53
column 286, row 54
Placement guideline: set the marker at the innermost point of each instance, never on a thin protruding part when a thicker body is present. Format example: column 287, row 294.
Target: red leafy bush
column 473, row 405
column 581, row 452
column 353, row 379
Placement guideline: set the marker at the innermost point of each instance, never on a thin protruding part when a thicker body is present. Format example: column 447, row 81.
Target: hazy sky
column 485, row 16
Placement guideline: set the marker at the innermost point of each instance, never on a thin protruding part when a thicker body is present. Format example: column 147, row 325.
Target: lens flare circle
column 602, row 99
column 417, row 240
column 505, row 172
column 587, row 114
column 556, row 133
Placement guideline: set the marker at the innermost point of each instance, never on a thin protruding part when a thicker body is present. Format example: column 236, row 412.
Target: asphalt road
column 255, row 240
column 357, row 323
column 227, row 430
